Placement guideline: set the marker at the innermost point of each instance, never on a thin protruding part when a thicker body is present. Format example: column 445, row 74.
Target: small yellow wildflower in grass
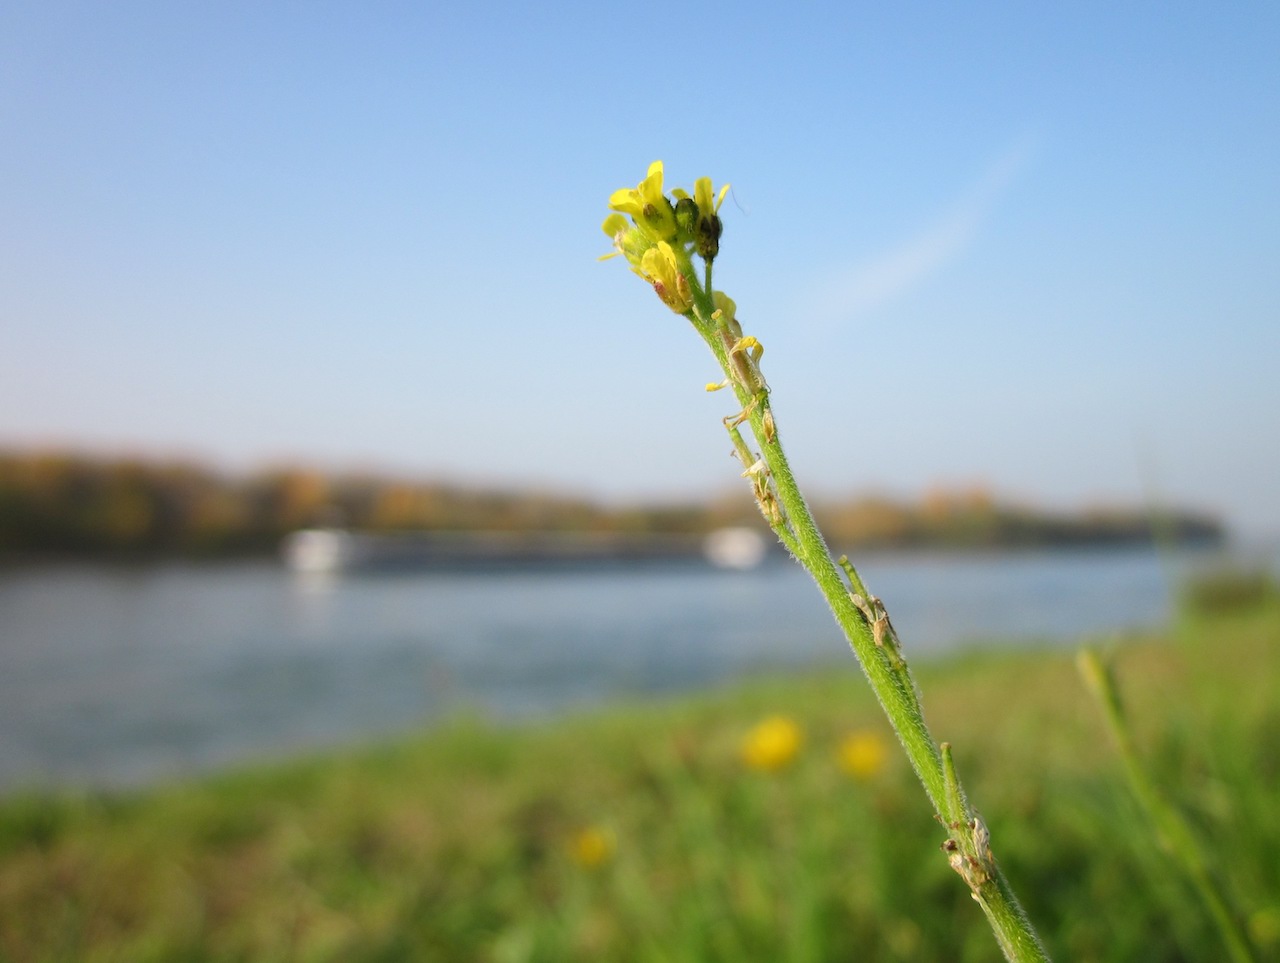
column 863, row 754
column 772, row 744
column 592, row 847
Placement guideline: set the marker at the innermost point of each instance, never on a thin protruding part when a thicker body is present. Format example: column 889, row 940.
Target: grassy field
column 644, row 833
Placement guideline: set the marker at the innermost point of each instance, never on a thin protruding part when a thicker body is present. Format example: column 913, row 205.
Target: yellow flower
column 706, row 237
column 772, row 744
column 647, row 205
column 658, row 266
column 702, row 194
column 863, row 754
column 628, row 240
column 592, row 847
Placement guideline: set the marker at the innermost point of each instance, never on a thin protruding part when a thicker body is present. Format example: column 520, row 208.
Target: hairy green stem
column 866, row 626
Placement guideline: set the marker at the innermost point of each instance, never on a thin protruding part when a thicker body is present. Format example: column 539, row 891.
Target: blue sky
column 1029, row 246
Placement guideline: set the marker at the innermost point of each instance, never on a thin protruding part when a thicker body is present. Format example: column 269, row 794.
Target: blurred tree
column 61, row 504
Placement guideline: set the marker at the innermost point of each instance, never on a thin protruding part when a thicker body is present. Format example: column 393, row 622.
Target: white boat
column 736, row 548
column 324, row 550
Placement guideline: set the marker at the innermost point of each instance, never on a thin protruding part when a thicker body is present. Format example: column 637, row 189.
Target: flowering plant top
column 658, row 235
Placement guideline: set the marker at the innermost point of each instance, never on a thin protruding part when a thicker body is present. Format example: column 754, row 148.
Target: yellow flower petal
column 614, row 224
column 772, row 744
column 863, row 754
column 628, row 201
column 592, row 847
column 651, row 188
column 702, row 194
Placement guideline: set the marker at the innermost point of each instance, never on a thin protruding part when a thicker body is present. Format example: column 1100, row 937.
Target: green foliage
column 1229, row 590
column 458, row 844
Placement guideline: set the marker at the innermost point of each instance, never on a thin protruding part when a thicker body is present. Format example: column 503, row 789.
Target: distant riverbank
column 66, row 506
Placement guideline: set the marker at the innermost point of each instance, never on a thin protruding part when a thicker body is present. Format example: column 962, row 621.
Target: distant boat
column 318, row 550
column 323, row 550
column 738, row 548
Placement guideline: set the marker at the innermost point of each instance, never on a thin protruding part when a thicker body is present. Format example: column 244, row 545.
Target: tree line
column 58, row 504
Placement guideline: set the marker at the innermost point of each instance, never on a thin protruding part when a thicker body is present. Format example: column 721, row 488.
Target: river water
column 118, row 676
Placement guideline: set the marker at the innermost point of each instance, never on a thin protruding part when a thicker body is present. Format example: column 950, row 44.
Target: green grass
column 457, row 844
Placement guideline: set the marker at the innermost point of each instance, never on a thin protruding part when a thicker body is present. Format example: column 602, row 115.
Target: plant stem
column 867, row 627
column 1169, row 826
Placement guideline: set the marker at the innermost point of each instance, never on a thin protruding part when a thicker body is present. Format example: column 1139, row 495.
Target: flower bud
column 686, row 216
column 706, row 238
column 706, row 235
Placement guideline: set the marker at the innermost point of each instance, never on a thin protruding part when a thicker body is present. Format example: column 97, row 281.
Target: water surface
column 113, row 676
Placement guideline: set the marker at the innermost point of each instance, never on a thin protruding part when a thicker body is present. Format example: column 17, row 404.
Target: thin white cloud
column 871, row 283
